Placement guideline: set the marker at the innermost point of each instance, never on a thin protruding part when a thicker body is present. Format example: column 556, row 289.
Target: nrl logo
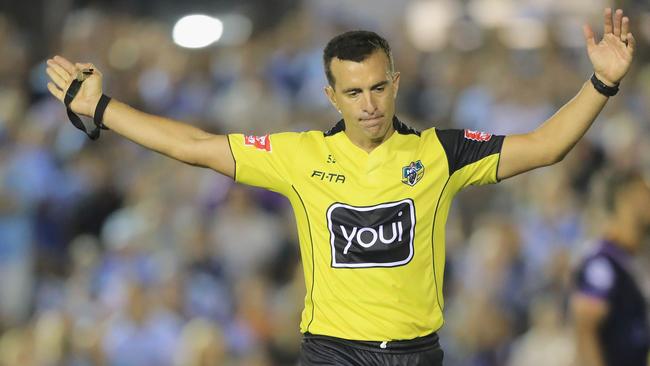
column 412, row 173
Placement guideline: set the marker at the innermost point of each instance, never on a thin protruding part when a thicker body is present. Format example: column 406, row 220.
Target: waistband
column 408, row 345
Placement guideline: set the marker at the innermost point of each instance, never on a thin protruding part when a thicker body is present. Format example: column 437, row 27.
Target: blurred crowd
column 114, row 255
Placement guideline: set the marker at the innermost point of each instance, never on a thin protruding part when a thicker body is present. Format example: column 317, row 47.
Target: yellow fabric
column 323, row 176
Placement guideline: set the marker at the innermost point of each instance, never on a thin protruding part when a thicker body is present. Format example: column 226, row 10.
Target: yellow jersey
column 371, row 226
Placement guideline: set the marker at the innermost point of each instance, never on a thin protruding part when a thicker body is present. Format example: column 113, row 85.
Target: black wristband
column 602, row 88
column 99, row 111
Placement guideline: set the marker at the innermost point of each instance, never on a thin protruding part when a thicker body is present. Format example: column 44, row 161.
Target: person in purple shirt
column 608, row 306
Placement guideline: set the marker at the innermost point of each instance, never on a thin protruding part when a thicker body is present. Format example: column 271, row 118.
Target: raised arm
column 171, row 138
column 588, row 314
column 550, row 142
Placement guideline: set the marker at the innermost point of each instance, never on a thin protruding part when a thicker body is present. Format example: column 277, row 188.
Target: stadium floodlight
column 237, row 29
column 522, row 33
column 428, row 23
column 197, row 31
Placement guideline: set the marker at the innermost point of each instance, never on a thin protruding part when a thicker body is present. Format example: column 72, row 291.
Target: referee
column 608, row 305
column 371, row 195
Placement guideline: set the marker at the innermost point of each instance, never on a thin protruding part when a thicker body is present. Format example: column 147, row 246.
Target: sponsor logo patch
column 375, row 236
column 260, row 142
column 412, row 173
column 328, row 177
column 477, row 135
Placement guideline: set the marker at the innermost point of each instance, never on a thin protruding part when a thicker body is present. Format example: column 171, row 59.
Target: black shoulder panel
column 403, row 129
column 338, row 127
column 464, row 147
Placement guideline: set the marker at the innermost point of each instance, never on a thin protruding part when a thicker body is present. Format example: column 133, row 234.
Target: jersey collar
column 399, row 126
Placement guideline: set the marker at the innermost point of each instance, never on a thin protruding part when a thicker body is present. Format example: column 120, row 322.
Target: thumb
column 589, row 36
column 83, row 65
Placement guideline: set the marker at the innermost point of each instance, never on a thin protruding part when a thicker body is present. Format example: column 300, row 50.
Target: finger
column 618, row 16
column 67, row 65
column 631, row 43
column 608, row 20
column 56, row 78
column 58, row 93
column 59, row 70
column 589, row 35
column 82, row 66
column 625, row 28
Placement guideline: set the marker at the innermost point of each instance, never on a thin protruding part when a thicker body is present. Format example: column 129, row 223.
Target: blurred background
column 114, row 255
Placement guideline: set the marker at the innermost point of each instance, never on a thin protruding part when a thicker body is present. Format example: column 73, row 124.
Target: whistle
column 83, row 74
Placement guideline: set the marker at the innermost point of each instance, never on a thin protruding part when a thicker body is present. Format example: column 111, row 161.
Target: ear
column 331, row 95
column 396, row 76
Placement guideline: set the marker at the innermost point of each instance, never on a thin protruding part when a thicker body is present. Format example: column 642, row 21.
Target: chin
column 377, row 134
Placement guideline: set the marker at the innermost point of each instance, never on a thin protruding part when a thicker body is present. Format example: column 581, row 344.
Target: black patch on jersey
column 375, row 236
column 462, row 151
column 398, row 125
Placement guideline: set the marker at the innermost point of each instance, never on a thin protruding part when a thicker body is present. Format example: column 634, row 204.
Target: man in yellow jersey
column 371, row 195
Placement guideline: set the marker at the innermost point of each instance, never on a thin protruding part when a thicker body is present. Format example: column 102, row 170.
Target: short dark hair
column 354, row 46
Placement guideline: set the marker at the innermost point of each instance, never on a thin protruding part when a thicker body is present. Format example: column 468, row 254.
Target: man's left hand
column 612, row 56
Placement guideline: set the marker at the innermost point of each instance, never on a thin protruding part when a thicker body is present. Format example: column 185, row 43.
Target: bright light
column 491, row 13
column 237, row 29
column 428, row 22
column 523, row 33
column 197, row 31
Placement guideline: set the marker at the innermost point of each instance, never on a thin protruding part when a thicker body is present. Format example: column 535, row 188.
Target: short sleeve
column 596, row 278
column 473, row 156
column 262, row 161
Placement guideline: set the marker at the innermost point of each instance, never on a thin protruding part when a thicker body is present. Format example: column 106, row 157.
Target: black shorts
column 319, row 350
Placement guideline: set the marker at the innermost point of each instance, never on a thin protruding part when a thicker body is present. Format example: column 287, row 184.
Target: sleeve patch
column 477, row 135
column 599, row 274
column 259, row 142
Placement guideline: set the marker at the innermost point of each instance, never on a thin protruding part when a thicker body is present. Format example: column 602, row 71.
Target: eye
column 380, row 88
column 353, row 94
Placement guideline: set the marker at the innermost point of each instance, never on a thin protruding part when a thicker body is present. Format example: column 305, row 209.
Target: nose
column 368, row 103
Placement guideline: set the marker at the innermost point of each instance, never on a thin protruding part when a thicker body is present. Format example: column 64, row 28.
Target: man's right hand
column 177, row 140
column 62, row 72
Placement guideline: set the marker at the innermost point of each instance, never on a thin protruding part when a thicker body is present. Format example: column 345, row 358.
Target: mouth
column 371, row 122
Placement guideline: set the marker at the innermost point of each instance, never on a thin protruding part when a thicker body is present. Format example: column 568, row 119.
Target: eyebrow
column 377, row 85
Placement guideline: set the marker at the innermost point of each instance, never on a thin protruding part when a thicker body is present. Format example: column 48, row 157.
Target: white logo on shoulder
column 599, row 274
column 259, row 142
column 477, row 135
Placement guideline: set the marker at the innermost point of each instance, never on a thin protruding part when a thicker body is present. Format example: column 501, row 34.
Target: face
column 364, row 93
column 636, row 199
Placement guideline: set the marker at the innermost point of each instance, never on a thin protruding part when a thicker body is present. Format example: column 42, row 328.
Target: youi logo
column 375, row 236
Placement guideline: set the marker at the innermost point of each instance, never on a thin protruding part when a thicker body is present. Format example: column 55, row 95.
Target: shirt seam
column 433, row 232
column 313, row 267
column 234, row 173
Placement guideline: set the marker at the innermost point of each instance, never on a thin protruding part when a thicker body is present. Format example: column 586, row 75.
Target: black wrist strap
column 602, row 88
column 99, row 111
column 72, row 91
column 70, row 94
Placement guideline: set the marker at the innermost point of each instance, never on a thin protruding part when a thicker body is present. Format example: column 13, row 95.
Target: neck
column 626, row 233
column 366, row 144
